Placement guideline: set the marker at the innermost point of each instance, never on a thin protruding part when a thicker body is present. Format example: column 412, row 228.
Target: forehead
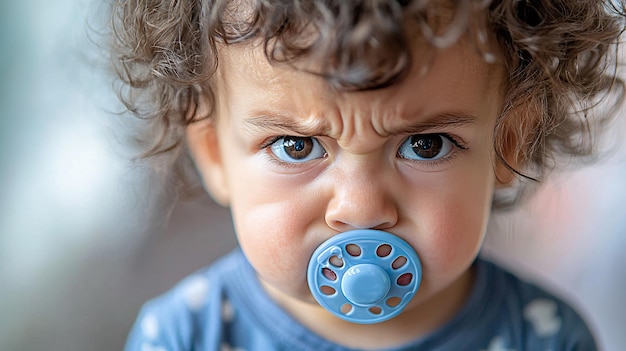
column 457, row 75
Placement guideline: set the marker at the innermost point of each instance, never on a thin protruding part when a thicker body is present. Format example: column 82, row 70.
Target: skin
column 283, row 210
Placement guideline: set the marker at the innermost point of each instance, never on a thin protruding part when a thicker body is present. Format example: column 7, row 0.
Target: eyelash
column 268, row 142
column 458, row 146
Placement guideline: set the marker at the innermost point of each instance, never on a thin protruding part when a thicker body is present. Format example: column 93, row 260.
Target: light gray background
column 84, row 242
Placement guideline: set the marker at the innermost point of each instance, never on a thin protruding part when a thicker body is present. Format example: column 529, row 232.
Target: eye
column 425, row 147
column 297, row 149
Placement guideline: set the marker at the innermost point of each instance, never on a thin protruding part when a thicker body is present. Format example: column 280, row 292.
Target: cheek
column 453, row 221
column 273, row 220
column 457, row 232
column 271, row 236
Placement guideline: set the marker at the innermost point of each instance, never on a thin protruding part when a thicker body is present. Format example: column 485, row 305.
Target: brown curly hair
column 560, row 57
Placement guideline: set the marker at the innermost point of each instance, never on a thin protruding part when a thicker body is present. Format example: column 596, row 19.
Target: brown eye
column 297, row 149
column 425, row 147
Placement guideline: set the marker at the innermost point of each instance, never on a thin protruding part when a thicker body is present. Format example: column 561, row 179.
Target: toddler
column 361, row 146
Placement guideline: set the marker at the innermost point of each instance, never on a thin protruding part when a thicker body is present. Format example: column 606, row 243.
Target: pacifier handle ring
column 364, row 276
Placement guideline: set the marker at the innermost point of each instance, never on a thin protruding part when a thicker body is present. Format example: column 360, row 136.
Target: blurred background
column 86, row 237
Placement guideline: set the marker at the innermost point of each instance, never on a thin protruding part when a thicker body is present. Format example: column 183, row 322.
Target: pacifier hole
column 336, row 261
column 398, row 262
column 375, row 310
column 346, row 308
column 405, row 279
column 353, row 250
column 393, row 301
column 383, row 250
column 327, row 290
column 329, row 274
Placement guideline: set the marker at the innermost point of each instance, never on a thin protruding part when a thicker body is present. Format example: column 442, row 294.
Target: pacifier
column 364, row 276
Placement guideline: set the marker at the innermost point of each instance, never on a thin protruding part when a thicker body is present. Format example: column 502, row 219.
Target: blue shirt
column 224, row 307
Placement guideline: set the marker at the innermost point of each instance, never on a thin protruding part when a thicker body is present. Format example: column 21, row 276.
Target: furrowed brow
column 278, row 123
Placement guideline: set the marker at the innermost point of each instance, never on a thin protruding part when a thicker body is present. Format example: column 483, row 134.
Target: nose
column 361, row 200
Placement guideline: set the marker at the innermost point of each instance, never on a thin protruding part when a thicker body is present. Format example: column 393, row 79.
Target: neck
column 421, row 317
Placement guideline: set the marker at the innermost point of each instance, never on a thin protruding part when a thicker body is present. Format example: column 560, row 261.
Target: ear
column 515, row 133
column 203, row 143
column 505, row 158
column 504, row 173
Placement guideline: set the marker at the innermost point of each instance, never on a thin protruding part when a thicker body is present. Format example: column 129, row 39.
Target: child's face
column 298, row 163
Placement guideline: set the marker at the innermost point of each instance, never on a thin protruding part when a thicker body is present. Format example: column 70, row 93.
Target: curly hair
column 560, row 57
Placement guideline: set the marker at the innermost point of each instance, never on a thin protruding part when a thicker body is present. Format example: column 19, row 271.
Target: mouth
column 364, row 276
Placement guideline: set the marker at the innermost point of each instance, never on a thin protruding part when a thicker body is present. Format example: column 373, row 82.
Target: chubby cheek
column 451, row 228
column 273, row 221
column 454, row 240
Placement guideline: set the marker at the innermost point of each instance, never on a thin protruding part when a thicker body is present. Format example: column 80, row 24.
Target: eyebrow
column 282, row 123
column 438, row 121
column 286, row 123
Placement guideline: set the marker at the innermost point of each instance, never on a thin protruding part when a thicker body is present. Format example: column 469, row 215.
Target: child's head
column 310, row 118
column 554, row 55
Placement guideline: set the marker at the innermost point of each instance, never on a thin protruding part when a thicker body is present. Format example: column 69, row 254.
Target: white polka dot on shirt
column 497, row 344
column 227, row 311
column 150, row 326
column 542, row 315
column 195, row 293
column 148, row 347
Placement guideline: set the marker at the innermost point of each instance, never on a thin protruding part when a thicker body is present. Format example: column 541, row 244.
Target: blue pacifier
column 364, row 276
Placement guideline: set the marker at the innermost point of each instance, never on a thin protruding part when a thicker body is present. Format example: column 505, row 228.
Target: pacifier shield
column 364, row 276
